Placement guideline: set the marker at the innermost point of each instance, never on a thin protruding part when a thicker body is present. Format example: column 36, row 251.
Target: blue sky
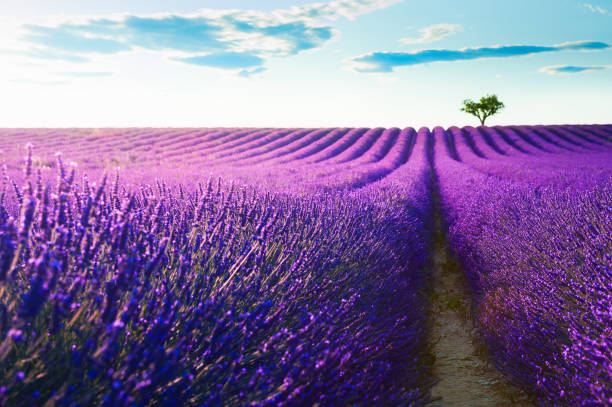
column 297, row 63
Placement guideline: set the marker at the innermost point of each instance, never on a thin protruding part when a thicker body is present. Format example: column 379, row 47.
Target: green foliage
column 487, row 106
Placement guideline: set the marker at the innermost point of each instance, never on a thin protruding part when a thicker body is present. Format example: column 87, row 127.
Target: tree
column 487, row 106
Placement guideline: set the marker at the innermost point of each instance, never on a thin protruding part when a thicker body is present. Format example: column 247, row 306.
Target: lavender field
column 281, row 267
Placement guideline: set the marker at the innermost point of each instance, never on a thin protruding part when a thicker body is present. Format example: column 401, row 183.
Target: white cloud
column 188, row 37
column 596, row 8
column 338, row 8
column 433, row 33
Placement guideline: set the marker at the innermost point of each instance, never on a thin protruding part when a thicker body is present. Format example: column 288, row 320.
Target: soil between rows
column 459, row 359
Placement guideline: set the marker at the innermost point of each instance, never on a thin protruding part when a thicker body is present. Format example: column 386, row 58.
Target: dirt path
column 465, row 377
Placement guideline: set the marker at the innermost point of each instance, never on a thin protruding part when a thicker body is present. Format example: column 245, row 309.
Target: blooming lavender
column 210, row 293
column 206, row 267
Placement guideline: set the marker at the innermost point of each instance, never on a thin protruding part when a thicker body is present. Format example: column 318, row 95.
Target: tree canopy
column 487, row 106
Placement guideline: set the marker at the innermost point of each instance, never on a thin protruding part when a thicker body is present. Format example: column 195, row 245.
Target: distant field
column 233, row 266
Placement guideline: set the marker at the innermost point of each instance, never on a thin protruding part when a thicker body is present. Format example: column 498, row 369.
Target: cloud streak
column 433, row 33
column 387, row 61
column 596, row 9
column 334, row 10
column 570, row 69
column 224, row 39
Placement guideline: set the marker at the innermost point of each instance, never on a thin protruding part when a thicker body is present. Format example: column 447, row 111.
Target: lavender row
column 209, row 294
column 534, row 237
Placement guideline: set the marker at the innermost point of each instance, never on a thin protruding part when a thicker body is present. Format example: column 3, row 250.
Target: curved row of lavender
column 295, row 277
column 529, row 213
column 136, row 291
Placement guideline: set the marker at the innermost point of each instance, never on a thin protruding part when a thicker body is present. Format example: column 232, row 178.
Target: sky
column 296, row 63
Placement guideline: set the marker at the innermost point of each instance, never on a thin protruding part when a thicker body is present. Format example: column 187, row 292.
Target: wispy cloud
column 596, row 9
column 338, row 8
column 568, row 69
column 387, row 61
column 69, row 39
column 225, row 39
column 433, row 33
